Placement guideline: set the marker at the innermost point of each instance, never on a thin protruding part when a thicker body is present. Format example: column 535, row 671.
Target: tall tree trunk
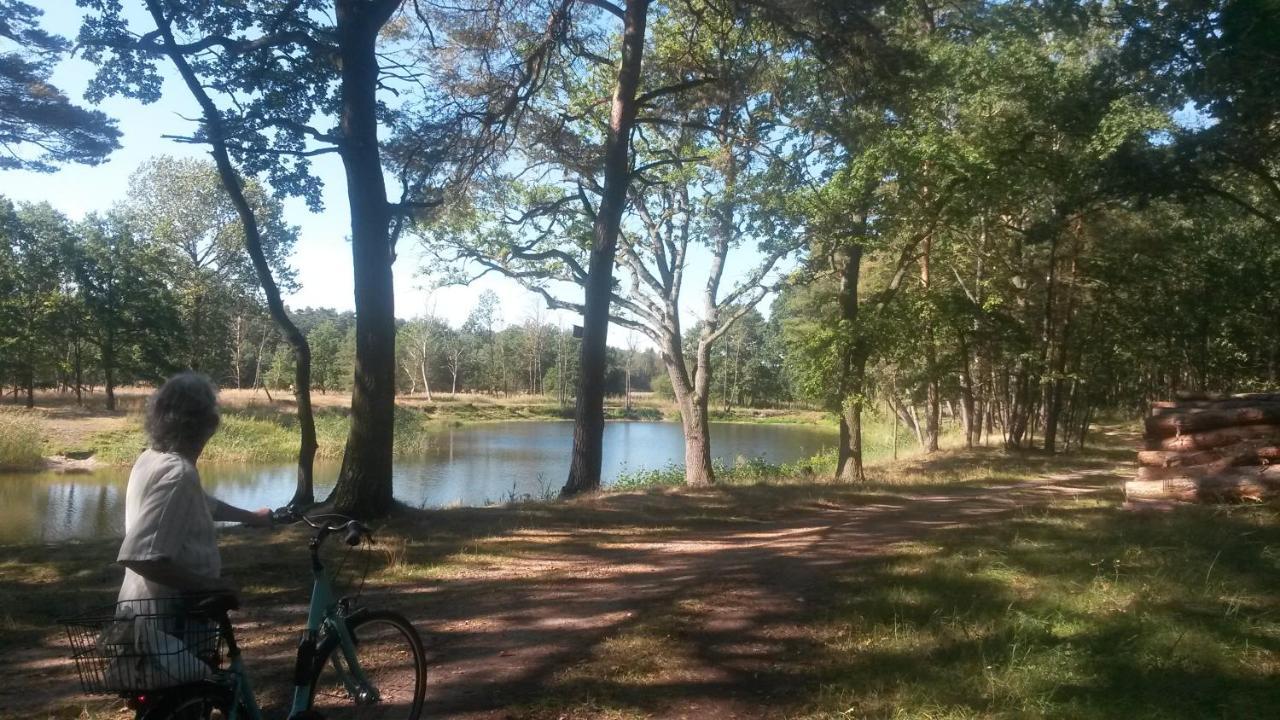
column 967, row 403
column 588, row 427
column 1019, row 391
column 426, row 383
column 1048, row 351
column 304, row 493
column 364, row 483
column 852, row 367
column 79, row 372
column 1058, row 358
column 698, row 470
column 691, row 399
column 257, row 361
column 108, row 352
column 238, row 350
column 933, row 399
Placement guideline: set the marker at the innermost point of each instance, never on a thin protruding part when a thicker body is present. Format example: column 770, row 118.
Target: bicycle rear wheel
column 390, row 655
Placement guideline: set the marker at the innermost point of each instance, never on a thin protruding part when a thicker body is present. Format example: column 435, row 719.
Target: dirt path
column 739, row 598
column 669, row 606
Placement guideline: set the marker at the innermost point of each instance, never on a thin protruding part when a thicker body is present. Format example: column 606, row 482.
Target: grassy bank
column 258, row 429
column 21, row 440
column 969, row 585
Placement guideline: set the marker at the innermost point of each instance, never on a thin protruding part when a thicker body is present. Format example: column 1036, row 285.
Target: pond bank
column 259, row 430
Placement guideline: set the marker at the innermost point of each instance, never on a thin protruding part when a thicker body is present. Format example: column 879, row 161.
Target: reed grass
column 21, row 439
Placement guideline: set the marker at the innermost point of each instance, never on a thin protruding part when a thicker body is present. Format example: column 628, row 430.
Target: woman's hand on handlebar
column 285, row 516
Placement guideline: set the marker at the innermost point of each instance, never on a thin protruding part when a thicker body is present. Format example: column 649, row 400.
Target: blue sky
column 322, row 256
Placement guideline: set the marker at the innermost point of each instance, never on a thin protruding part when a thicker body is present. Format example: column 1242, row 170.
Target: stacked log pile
column 1207, row 448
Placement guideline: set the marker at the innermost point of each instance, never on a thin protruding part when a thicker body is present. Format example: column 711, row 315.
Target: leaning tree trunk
column 304, row 492
column 588, row 426
column 364, row 483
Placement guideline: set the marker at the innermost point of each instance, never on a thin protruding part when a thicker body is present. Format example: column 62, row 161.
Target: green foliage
column 326, row 370
column 39, row 125
column 180, row 210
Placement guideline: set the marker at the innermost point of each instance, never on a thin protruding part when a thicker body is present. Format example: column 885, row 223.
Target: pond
column 463, row 466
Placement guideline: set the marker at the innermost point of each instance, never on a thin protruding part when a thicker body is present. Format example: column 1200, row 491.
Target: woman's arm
column 222, row 512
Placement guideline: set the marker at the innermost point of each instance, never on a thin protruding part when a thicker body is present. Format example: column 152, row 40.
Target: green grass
column 1053, row 607
column 266, row 434
column 1069, row 608
column 263, row 435
column 1076, row 610
column 877, row 449
column 21, row 439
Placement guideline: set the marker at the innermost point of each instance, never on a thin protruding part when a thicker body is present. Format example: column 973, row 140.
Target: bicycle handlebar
column 325, row 524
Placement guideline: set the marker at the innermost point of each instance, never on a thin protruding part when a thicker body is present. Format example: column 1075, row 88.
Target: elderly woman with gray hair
column 169, row 545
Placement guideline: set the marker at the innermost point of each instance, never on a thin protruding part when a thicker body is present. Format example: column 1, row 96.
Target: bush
column 21, row 436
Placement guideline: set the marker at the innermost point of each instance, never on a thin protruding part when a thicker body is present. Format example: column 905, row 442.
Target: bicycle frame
column 325, row 613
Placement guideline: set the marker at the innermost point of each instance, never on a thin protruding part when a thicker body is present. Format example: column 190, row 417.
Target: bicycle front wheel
column 389, row 656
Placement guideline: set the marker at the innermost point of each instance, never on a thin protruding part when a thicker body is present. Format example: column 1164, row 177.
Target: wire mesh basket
column 143, row 645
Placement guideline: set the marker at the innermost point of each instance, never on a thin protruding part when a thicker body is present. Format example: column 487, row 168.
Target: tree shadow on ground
column 1000, row 596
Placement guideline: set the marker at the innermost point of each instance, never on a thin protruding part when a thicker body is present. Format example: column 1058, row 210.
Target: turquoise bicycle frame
column 325, row 614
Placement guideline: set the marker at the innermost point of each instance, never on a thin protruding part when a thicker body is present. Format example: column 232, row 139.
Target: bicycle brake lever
column 354, row 532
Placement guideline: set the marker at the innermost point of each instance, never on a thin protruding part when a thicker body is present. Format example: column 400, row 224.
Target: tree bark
column 1193, row 421
column 588, row 428
column 1227, row 486
column 933, row 395
column 1256, row 453
column 698, row 471
column 1210, row 439
column 108, row 351
column 852, row 366
column 364, row 483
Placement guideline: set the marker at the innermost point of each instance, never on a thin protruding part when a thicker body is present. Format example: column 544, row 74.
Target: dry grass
column 258, row 428
column 21, row 440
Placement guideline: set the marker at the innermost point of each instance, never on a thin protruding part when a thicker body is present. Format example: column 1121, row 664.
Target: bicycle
column 341, row 668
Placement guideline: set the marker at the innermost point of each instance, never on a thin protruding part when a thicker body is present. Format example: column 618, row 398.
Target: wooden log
column 1219, row 397
column 1224, row 457
column 1173, row 407
column 1211, row 439
column 1235, row 485
column 1181, row 423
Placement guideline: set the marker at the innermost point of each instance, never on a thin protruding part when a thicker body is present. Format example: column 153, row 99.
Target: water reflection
column 474, row 465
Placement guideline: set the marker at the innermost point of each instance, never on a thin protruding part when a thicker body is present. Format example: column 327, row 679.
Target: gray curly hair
column 183, row 413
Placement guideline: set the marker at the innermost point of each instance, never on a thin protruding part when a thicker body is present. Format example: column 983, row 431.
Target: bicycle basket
column 143, row 645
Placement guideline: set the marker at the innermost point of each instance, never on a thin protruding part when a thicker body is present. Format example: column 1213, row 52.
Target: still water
column 473, row 465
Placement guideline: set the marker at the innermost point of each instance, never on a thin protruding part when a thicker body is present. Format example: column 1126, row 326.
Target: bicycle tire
column 391, row 654
column 207, row 701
